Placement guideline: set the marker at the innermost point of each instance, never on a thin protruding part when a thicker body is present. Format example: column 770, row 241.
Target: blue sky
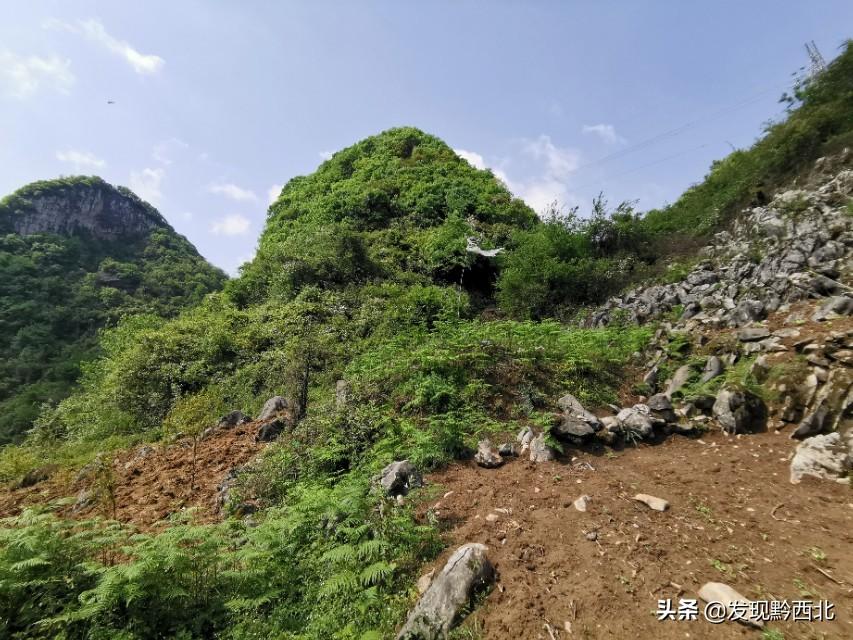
column 217, row 103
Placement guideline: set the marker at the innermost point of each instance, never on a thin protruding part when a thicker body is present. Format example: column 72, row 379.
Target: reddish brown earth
column 149, row 488
column 734, row 518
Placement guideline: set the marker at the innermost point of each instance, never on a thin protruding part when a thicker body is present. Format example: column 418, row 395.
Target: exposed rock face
column 88, row 206
column 467, row 571
column 773, row 255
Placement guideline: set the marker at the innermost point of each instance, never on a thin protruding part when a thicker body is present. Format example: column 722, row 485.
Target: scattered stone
column 638, row 420
column 34, row 476
column 748, row 311
column 86, row 499
column 679, row 379
column 507, row 449
column 592, row 536
column 398, row 478
column 492, row 517
column 651, row 378
column 582, row 503
column 713, row 367
column 540, row 451
column 740, row 411
column 572, row 406
column 723, row 593
column 467, row 572
column 232, row 419
column 658, row 504
column 571, row 429
column 834, row 307
column 825, row 456
column 751, row 334
column 487, row 456
column 525, row 437
column 660, row 405
column 272, row 408
column 812, row 424
column 760, row 369
column 270, row 431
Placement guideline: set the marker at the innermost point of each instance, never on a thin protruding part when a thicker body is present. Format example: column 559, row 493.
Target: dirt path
column 734, row 518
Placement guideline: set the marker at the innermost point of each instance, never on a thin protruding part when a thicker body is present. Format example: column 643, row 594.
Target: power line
column 643, row 144
column 641, row 167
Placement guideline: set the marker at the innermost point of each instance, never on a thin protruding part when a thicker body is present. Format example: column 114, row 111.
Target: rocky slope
column 796, row 248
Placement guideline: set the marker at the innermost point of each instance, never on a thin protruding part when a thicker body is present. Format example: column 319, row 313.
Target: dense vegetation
column 57, row 291
column 362, row 275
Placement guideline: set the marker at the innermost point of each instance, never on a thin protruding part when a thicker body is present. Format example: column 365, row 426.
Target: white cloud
column 607, row 133
column 80, row 160
column 233, row 191
column 473, row 158
column 164, row 152
column 233, row 225
column 146, row 184
column 273, row 193
column 552, row 168
column 23, row 76
column 559, row 163
column 478, row 162
column 326, row 155
column 94, row 30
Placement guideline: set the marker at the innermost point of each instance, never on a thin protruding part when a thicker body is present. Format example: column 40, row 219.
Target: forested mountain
column 77, row 254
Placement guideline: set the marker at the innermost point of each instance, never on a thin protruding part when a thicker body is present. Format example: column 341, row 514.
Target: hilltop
column 76, row 255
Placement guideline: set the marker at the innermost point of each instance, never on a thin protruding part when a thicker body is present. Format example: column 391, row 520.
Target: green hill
column 364, row 282
column 76, row 255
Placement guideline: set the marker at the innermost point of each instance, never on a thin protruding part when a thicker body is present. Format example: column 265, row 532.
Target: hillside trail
column 733, row 517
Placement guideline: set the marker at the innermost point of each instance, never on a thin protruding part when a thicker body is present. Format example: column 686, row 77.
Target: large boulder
column 487, row 456
column 467, row 572
column 826, row 456
column 272, row 408
column 399, row 477
column 740, row 411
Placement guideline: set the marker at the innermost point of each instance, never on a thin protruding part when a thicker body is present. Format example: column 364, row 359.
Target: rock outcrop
column 466, row 572
column 80, row 206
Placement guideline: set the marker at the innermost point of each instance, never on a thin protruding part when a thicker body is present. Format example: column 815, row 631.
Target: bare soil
column 733, row 517
column 149, row 488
